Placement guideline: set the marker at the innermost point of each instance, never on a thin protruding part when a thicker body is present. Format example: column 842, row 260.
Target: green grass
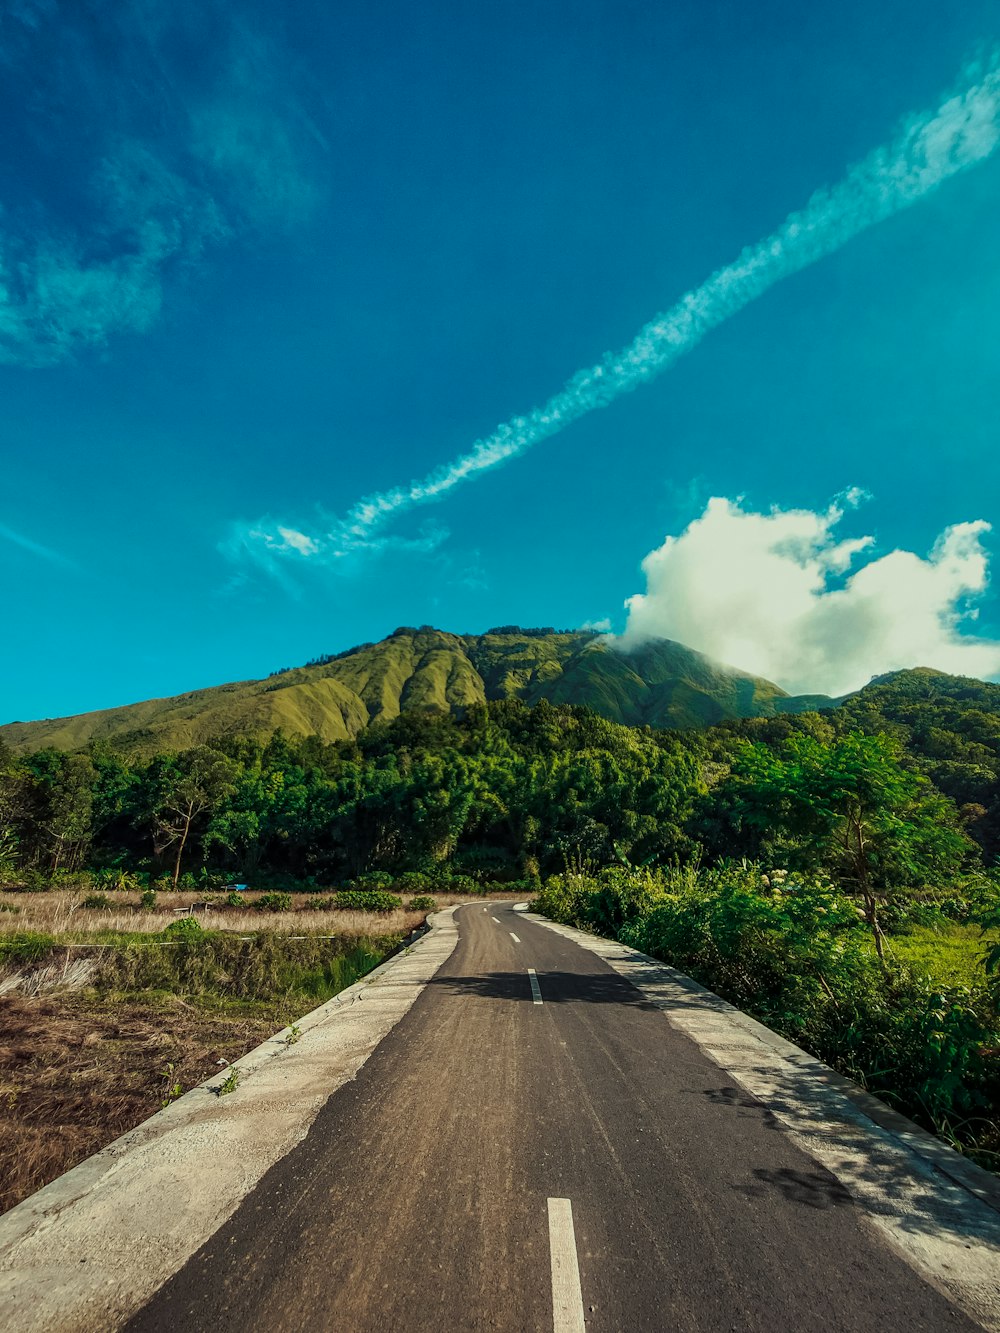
column 950, row 954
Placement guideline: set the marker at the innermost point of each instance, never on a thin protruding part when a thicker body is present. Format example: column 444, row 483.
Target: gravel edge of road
column 88, row 1249
column 937, row 1209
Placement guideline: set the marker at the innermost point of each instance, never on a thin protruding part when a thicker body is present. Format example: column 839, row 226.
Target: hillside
column 662, row 684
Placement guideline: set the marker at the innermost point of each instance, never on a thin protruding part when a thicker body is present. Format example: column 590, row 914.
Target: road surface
column 534, row 1147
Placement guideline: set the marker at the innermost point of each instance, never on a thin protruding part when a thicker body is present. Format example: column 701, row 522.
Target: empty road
column 535, row 1147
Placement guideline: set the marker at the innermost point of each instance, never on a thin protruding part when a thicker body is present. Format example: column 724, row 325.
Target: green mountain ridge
column 660, row 684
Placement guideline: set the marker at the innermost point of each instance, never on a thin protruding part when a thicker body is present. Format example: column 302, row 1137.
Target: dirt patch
column 77, row 1071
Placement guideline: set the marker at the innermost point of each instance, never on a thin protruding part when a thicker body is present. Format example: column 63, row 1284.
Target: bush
column 377, row 879
column 117, row 880
column 423, row 902
column 319, row 904
column 185, row 928
column 97, row 902
column 273, row 902
column 366, row 900
column 235, row 900
column 412, row 879
column 147, row 900
column 566, row 898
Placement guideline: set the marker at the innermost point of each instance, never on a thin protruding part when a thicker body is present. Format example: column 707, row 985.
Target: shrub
column 412, row 879
column 377, row 879
column 147, row 900
column 273, row 902
column 97, row 902
column 566, row 898
column 185, row 928
column 366, row 900
column 319, row 904
column 118, row 880
column 235, row 900
column 423, row 902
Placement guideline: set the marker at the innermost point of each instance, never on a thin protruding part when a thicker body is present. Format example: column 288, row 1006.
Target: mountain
column 661, row 683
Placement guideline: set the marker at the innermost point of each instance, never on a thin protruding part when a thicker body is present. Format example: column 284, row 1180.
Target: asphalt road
column 420, row 1199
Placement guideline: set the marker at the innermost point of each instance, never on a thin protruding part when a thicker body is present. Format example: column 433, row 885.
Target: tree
column 189, row 785
column 851, row 807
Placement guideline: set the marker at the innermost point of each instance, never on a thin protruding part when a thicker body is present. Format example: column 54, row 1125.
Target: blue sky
column 260, row 263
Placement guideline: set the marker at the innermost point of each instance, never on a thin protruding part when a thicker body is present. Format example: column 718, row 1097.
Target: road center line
column 536, row 994
column 567, row 1299
column 493, row 918
column 513, row 937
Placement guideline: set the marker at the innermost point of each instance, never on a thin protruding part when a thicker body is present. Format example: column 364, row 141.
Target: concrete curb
column 983, row 1184
column 940, row 1211
column 89, row 1249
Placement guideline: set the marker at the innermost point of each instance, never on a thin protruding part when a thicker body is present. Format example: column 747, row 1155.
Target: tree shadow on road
column 814, row 1189
column 556, row 987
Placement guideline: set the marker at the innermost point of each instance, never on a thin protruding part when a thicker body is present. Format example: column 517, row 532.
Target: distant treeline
column 513, row 792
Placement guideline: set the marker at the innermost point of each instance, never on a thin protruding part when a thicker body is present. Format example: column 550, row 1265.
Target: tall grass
column 62, row 915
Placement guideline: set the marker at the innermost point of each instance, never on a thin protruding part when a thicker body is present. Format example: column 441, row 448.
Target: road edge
column 91, row 1247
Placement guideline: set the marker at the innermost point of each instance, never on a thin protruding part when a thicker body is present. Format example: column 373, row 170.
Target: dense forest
column 505, row 791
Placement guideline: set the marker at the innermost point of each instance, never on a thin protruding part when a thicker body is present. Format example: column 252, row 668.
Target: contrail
column 36, row 548
column 932, row 147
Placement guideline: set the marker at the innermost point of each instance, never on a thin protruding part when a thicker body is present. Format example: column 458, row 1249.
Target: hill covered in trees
column 500, row 789
column 661, row 684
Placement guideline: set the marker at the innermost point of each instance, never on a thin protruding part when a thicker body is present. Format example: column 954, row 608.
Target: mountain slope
column 662, row 683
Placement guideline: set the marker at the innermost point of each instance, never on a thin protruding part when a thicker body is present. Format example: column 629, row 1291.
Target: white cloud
column 233, row 151
column 932, row 147
column 764, row 592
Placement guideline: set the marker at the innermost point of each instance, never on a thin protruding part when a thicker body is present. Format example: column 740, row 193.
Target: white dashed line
column 513, row 937
column 493, row 918
column 536, row 994
column 567, row 1299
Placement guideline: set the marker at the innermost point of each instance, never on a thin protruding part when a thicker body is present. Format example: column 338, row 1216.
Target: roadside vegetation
column 911, row 1013
column 832, row 872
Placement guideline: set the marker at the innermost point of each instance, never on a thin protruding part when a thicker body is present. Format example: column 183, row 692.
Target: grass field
column 950, row 954
column 61, row 914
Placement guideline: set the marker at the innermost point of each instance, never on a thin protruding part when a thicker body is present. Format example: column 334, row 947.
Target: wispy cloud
column 781, row 595
column 34, row 548
column 231, row 151
column 274, row 549
column 932, row 147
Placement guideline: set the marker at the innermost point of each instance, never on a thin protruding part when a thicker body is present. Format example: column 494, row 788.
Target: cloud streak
column 931, row 148
column 34, row 548
column 773, row 593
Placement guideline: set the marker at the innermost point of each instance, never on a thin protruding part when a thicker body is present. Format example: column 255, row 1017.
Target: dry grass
column 60, row 913
column 79, row 1067
column 76, row 1073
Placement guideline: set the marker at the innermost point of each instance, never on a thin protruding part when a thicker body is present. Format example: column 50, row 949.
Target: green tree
column 188, row 786
column 851, row 807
